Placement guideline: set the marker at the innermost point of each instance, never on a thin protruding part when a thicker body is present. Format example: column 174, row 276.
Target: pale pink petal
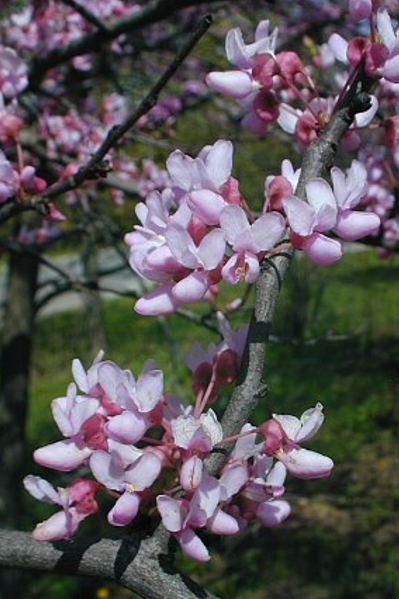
column 385, row 28
column 211, row 249
column 62, row 455
column 300, row 215
column 321, row 198
column 291, row 425
column 41, row 489
column 391, row 69
column 362, row 119
column 59, row 526
column 306, row 464
column 192, row 288
column 233, row 84
column 353, row 225
column 272, row 513
column 143, row 472
column 276, row 478
column 127, row 427
column 288, row 117
column 171, row 513
column 311, row 421
column 183, row 429
column 191, row 473
column 268, row 229
column 79, row 374
column 212, row 426
column 107, row 470
column 235, row 49
column 245, row 445
column 192, row 545
column 219, row 162
column 156, row 302
column 204, row 500
column 182, row 246
column 339, row 46
column 149, row 390
column 233, row 479
column 221, row 523
column 71, row 412
column 159, row 261
column 180, row 168
column 349, row 188
column 206, row 205
column 322, row 250
column 124, row 510
column 234, row 223
column 125, row 454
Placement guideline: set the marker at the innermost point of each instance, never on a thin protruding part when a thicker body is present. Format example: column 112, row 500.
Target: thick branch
column 139, row 565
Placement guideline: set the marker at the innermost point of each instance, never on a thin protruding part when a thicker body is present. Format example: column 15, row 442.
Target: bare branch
column 153, row 11
column 140, row 565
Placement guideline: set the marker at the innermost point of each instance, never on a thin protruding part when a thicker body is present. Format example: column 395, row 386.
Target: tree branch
column 140, row 565
column 152, row 12
column 95, row 167
column 251, row 387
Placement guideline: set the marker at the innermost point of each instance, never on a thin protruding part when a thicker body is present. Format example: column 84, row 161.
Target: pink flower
column 76, row 500
column 200, row 434
column 13, row 73
column 130, row 481
column 330, row 209
column 300, row 462
column 181, row 517
column 247, row 241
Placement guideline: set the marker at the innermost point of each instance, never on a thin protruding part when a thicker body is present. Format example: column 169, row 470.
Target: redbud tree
column 195, row 471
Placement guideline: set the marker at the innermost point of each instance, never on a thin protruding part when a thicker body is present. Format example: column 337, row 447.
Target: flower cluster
column 147, row 451
column 198, row 231
column 330, row 209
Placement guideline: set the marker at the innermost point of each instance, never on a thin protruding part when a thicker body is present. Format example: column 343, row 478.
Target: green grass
column 338, row 332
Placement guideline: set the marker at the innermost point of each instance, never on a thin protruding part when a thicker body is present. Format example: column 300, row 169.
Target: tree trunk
column 14, row 370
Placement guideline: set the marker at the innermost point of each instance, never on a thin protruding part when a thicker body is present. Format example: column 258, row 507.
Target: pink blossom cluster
column 199, row 231
column 330, row 209
column 278, row 87
column 147, row 451
column 17, row 184
column 41, row 27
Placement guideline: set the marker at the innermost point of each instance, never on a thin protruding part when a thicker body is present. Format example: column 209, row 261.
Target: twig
column 86, row 14
column 96, row 167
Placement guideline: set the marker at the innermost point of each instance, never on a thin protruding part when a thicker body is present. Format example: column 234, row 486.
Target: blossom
column 13, row 73
column 247, row 241
column 300, row 462
column 330, row 209
column 201, row 434
column 129, row 481
column 76, row 500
